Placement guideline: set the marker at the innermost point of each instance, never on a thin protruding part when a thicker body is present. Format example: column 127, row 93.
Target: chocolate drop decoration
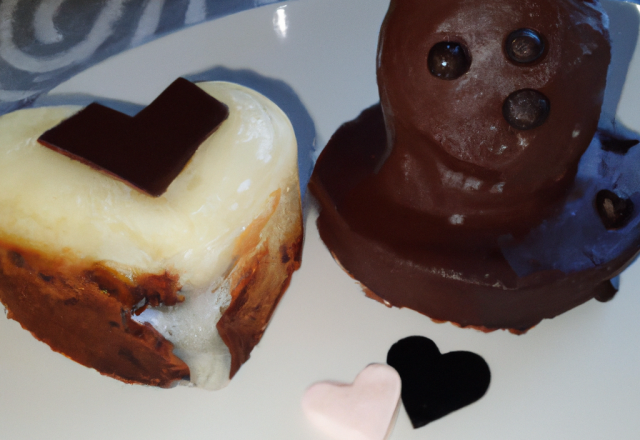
column 524, row 46
column 435, row 384
column 148, row 150
column 526, row 109
column 448, row 60
column 614, row 211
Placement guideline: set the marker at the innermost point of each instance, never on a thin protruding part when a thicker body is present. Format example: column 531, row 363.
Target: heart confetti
column 364, row 410
column 435, row 384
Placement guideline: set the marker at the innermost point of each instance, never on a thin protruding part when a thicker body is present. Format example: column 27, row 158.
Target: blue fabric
column 45, row 42
column 576, row 239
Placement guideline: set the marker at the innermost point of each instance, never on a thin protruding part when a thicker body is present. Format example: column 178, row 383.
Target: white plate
column 573, row 377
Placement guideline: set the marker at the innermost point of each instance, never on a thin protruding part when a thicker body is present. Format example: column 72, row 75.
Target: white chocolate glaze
column 60, row 206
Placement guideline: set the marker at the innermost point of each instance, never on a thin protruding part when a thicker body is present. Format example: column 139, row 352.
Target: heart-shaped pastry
column 434, row 384
column 363, row 410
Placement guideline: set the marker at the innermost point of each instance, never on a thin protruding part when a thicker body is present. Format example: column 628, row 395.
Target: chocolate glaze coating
column 418, row 194
column 438, row 129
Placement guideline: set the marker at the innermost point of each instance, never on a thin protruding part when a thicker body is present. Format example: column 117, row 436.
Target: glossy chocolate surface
column 148, row 150
column 452, row 152
column 429, row 198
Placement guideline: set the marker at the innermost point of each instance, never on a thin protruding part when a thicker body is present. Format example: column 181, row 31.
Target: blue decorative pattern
column 45, row 42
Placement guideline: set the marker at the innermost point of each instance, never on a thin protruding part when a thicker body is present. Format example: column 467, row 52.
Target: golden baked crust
column 98, row 270
column 84, row 309
column 84, row 312
column 270, row 251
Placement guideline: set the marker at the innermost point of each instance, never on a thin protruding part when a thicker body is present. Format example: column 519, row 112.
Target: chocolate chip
column 524, row 46
column 44, row 277
column 526, row 109
column 448, row 60
column 128, row 355
column 16, row 258
column 614, row 211
column 284, row 254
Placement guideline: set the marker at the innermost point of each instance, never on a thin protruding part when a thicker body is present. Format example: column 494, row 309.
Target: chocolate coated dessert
column 452, row 196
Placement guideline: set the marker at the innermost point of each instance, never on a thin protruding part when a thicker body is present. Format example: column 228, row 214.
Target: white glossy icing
column 96, row 217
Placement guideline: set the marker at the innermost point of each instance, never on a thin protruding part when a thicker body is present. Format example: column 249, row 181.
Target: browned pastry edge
column 262, row 274
column 84, row 312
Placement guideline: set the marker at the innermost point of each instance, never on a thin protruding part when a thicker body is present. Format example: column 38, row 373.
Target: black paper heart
column 614, row 211
column 435, row 384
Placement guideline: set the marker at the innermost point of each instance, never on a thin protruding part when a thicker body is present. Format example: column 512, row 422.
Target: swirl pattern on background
column 45, row 42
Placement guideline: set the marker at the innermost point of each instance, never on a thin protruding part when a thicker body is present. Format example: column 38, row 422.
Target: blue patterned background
column 45, row 42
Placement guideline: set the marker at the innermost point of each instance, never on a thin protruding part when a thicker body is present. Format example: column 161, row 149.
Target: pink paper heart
column 364, row 410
